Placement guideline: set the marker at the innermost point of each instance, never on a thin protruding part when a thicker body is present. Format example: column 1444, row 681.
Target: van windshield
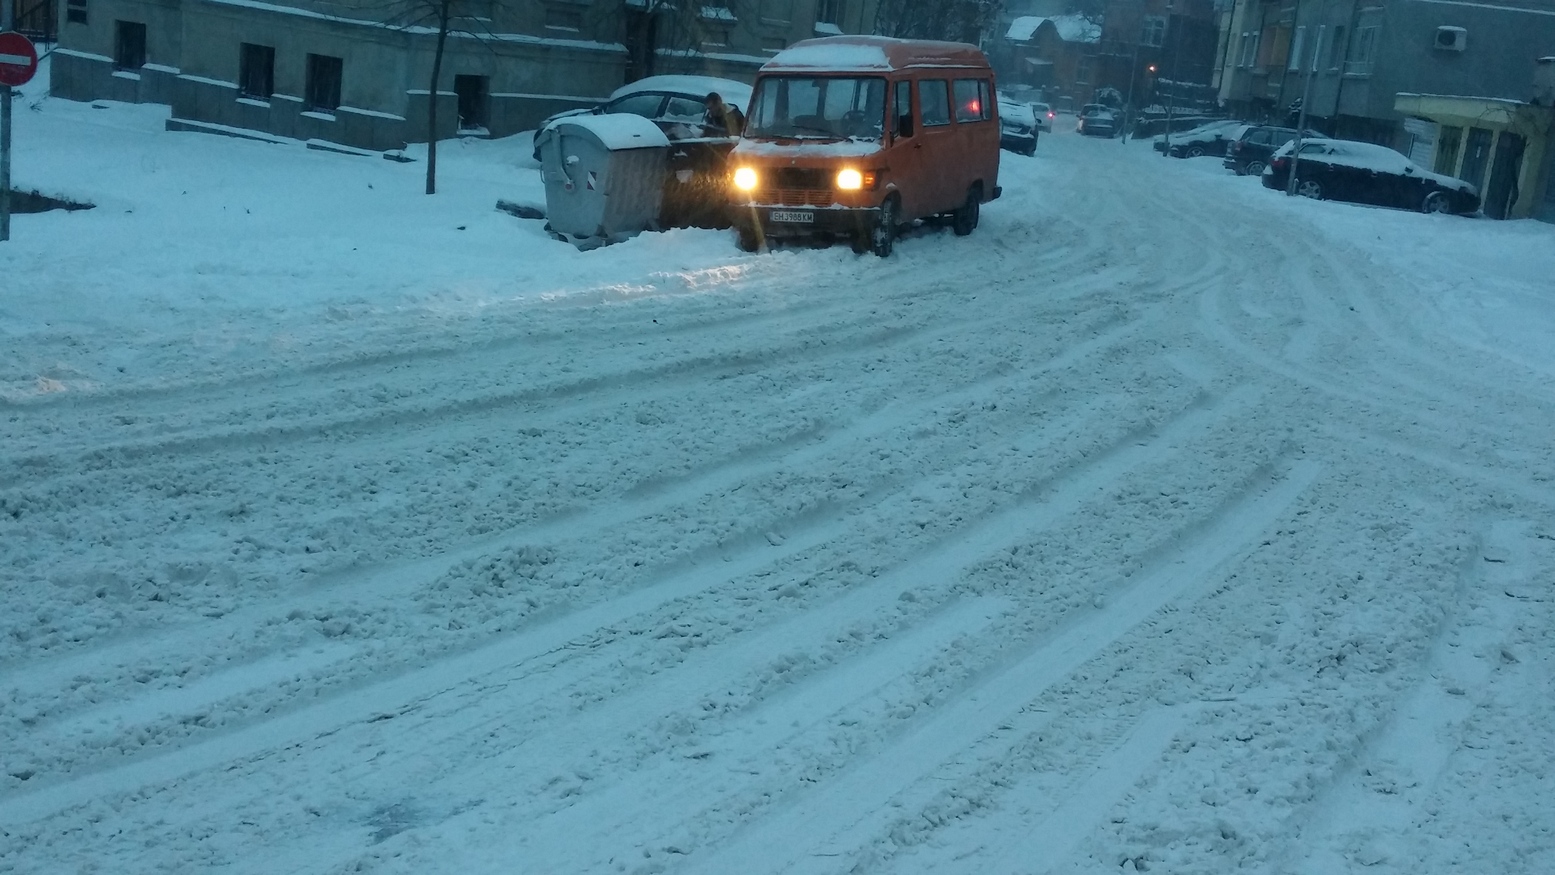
column 818, row 107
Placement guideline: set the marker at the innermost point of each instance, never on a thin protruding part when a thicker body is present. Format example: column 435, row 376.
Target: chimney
column 1544, row 82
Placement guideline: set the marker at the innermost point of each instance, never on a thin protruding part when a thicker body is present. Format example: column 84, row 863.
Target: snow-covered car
column 674, row 103
column 1097, row 121
column 1045, row 115
column 1017, row 127
column 1366, row 173
column 1207, row 139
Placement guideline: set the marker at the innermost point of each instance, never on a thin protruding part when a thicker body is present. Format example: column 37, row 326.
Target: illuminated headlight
column 745, row 179
column 850, row 180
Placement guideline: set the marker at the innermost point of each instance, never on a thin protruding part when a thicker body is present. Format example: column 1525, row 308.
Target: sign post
column 18, row 63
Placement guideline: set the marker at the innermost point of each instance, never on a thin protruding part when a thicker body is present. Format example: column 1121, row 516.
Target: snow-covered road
column 1164, row 524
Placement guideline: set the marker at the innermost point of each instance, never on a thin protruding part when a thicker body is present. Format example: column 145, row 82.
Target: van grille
column 796, row 197
column 802, row 178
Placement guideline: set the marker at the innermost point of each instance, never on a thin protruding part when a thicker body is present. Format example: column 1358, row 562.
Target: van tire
column 748, row 239
column 965, row 220
column 882, row 238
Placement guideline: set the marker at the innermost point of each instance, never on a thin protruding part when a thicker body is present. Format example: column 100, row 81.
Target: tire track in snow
column 853, row 802
column 667, row 792
column 388, row 584
column 1378, row 801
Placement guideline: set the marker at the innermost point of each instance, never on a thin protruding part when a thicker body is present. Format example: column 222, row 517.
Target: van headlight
column 745, row 179
column 850, row 180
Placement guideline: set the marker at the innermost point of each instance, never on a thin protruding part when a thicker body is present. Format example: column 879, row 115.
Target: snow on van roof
column 618, row 130
column 856, row 53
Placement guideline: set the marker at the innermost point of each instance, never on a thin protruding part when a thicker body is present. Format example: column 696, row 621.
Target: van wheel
column 964, row 221
column 748, row 239
column 882, row 239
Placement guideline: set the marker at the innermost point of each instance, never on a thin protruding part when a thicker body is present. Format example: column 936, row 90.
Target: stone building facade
column 358, row 72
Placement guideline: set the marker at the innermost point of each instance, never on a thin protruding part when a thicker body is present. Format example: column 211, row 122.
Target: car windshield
column 818, row 107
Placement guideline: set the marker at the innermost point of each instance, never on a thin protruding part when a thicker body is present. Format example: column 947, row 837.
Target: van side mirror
column 904, row 125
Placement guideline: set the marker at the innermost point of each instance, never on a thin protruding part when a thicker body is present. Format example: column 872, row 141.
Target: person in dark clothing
column 722, row 119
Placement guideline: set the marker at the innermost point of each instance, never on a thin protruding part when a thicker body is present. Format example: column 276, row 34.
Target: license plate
column 797, row 216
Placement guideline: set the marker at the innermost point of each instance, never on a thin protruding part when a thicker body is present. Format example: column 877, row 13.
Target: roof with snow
column 1071, row 28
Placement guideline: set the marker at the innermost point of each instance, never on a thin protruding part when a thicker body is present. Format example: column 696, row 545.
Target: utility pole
column 1128, row 111
column 1301, row 117
column 5, row 136
column 1171, row 34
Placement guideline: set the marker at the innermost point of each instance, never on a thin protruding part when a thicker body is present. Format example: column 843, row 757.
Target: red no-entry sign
column 18, row 59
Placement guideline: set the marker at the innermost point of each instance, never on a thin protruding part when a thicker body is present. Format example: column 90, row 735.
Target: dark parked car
column 1017, row 127
column 1209, row 139
column 1097, row 121
column 1366, row 173
column 1250, row 153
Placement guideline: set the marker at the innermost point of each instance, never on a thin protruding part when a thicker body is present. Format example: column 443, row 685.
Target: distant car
column 1045, row 116
column 1249, row 154
column 1097, row 120
column 1207, row 139
column 674, row 103
column 1017, row 127
column 1366, row 173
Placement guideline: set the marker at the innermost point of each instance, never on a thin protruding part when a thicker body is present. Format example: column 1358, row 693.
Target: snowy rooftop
column 1070, row 28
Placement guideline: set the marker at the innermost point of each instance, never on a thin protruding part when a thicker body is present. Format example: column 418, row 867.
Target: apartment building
column 1370, row 70
column 358, row 72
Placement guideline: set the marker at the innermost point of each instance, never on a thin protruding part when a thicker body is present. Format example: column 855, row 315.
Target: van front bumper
column 783, row 221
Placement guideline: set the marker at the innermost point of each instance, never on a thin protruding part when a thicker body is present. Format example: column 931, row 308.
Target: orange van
column 856, row 136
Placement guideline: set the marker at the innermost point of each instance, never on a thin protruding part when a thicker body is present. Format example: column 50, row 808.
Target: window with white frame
column 1297, row 43
column 1153, row 32
column 1249, row 49
column 1362, row 52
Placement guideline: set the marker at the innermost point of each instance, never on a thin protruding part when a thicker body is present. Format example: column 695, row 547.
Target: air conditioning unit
column 1451, row 39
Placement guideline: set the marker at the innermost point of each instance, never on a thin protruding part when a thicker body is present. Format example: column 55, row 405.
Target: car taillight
column 1278, row 163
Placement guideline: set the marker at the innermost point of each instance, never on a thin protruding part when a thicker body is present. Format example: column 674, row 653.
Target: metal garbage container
column 604, row 177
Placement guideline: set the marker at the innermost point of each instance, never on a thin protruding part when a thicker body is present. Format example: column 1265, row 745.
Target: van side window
column 971, row 100
column 901, row 111
column 934, row 101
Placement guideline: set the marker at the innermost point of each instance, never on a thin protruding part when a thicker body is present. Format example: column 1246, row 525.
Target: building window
column 1297, row 44
column 1154, row 31
column 1360, row 57
column 473, row 103
column 563, row 18
column 1249, row 49
column 1336, row 48
column 323, row 86
column 1448, row 141
column 256, row 71
column 129, row 45
column 828, row 12
column 1082, row 71
column 75, row 11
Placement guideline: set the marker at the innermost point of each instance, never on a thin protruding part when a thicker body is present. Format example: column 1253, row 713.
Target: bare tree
column 959, row 20
column 440, row 18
